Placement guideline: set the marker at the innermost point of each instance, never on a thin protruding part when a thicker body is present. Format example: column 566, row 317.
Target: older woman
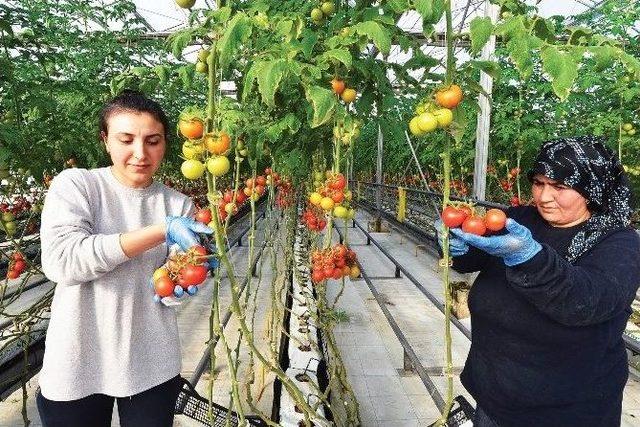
column 553, row 296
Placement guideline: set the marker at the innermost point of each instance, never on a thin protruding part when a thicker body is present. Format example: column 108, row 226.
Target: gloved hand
column 182, row 230
column 514, row 248
column 457, row 247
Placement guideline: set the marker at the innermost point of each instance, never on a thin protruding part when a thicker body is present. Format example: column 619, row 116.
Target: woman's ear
column 103, row 138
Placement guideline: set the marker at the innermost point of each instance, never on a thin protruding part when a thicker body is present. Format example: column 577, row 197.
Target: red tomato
column 17, row 256
column 337, row 197
column 240, row 197
column 249, row 183
column 204, row 216
column 495, row 219
column 12, row 274
column 198, row 250
column 164, row 286
column 322, row 224
column 260, row 180
column 327, row 271
column 341, row 250
column 228, row 196
column 474, row 225
column 346, row 270
column 453, row 217
column 317, row 276
column 337, row 273
column 259, row 189
column 19, row 266
column 267, row 171
column 193, row 275
column 338, row 182
column 515, row 201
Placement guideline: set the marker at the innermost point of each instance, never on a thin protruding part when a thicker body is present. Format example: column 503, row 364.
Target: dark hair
column 134, row 101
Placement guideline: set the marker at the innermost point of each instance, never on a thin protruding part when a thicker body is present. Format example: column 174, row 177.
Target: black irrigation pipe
column 415, row 361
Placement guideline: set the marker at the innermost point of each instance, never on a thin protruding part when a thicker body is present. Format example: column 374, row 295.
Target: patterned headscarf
column 588, row 166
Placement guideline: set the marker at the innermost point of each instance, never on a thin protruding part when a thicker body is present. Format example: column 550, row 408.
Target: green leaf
column 398, row 6
column 250, row 78
column 631, row 63
column 562, row 68
column 377, row 33
column 186, row 75
column 323, row 103
column 6, row 27
column 373, row 14
column 430, row 10
column 459, row 124
column 543, row 29
column 238, row 31
column 308, row 43
column 284, row 27
column 269, row 78
column 163, row 73
column 340, row 55
column 490, row 67
column 604, row 56
column 289, row 122
column 178, row 41
column 480, row 29
column 579, row 35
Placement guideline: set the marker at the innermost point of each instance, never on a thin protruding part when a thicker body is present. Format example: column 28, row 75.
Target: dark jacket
column 547, row 346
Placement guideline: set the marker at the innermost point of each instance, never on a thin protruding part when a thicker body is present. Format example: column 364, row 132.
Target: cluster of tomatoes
column 333, row 263
column 203, row 151
column 17, row 265
column 18, row 206
column 463, row 215
column 339, row 87
column 285, row 196
column 326, row 9
column 429, row 117
column 313, row 217
column 332, row 196
column 628, row 129
column 182, row 273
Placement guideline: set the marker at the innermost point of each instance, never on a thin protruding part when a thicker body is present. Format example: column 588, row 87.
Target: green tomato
column 427, row 122
column 414, row 128
column 186, row 4
column 201, row 67
column 10, row 228
column 631, row 132
column 7, row 216
column 317, row 15
column 203, row 55
column 627, row 126
column 328, row 8
column 192, row 169
column 444, row 116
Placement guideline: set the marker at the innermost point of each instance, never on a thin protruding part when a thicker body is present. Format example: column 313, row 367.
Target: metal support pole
column 397, row 275
column 379, row 180
column 406, row 362
column 484, row 115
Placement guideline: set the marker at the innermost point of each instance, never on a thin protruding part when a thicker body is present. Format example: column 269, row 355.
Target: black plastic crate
column 196, row 407
column 461, row 414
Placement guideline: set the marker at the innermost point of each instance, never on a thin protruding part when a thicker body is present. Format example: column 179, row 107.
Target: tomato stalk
column 445, row 201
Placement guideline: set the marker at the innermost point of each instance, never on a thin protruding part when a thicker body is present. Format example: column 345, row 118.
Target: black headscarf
column 588, row 166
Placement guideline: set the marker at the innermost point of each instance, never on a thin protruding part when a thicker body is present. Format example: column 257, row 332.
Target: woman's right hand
column 457, row 246
column 182, row 231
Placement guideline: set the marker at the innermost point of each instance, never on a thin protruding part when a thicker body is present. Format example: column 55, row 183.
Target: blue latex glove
column 457, row 247
column 182, row 230
column 514, row 248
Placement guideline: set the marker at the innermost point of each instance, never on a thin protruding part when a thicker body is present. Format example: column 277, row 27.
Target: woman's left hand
column 514, row 248
column 182, row 230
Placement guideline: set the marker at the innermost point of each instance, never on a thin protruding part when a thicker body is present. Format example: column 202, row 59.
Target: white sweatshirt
column 106, row 334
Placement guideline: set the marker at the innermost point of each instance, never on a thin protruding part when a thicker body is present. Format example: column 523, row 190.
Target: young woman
column 553, row 296
column 104, row 231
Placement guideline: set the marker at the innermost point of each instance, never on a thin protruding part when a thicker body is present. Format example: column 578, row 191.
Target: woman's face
column 558, row 204
column 136, row 143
